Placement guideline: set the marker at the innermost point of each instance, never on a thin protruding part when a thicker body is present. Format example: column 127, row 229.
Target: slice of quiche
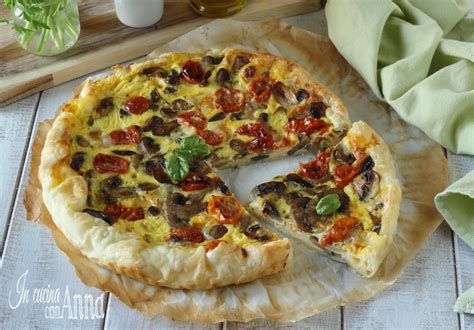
column 345, row 202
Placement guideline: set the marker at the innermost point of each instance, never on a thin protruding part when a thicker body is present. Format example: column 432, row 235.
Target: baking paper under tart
column 312, row 283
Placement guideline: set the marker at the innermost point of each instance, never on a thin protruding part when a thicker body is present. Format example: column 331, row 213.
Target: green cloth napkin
column 465, row 302
column 418, row 56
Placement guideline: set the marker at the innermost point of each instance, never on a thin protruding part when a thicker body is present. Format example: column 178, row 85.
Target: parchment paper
column 312, row 283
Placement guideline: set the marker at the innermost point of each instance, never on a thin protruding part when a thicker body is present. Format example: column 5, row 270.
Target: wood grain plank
column 327, row 320
column 105, row 41
column 120, row 316
column 16, row 121
column 30, row 250
column 465, row 275
column 422, row 298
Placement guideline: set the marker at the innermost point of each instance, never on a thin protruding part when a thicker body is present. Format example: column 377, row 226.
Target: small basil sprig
column 177, row 165
column 328, row 204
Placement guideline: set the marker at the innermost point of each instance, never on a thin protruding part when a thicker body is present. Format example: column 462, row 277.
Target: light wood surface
column 105, row 41
column 421, row 299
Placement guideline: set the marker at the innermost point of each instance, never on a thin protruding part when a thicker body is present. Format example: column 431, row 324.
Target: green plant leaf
column 177, row 168
column 328, row 204
column 195, row 146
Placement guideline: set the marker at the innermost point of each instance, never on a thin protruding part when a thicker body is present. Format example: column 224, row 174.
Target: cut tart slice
column 344, row 203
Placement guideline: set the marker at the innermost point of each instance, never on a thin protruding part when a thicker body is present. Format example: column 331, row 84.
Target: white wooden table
column 422, row 298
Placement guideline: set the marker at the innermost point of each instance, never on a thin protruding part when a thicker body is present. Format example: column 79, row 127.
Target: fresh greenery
column 177, row 165
column 328, row 204
column 41, row 17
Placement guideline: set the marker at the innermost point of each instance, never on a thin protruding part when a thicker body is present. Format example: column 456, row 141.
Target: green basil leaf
column 195, row 146
column 328, row 204
column 177, row 168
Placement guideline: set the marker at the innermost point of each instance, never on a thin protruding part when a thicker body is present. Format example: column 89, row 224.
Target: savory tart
column 128, row 167
column 344, row 203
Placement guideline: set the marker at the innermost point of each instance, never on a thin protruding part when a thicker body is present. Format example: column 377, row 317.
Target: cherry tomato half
column 261, row 88
column 226, row 209
column 344, row 174
column 306, row 125
column 263, row 136
column 136, row 105
column 211, row 138
column 339, row 231
column 107, row 163
column 193, row 72
column 127, row 213
column 130, row 135
column 229, row 99
column 196, row 181
column 188, row 234
column 193, row 118
column 317, row 168
column 213, row 244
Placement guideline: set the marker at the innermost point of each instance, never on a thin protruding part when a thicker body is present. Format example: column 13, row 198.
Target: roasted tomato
column 136, row 105
column 211, row 138
column 339, row 231
column 213, row 244
column 306, row 126
column 317, row 168
column 130, row 135
column 193, row 72
column 229, row 99
column 261, row 88
column 127, row 213
column 107, row 163
column 196, row 181
column 344, row 174
column 263, row 137
column 188, row 234
column 195, row 119
column 226, row 209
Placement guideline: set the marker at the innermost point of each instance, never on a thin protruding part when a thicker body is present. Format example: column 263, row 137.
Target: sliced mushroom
column 165, row 129
column 101, row 215
column 304, row 213
column 146, row 186
column 124, row 152
column 154, row 71
column 212, row 59
column 301, row 95
column 178, row 211
column 217, row 116
column 270, row 210
column 172, row 78
column 342, row 157
column 366, row 184
column 298, row 179
column 257, row 232
column 77, row 160
column 82, row 141
column 199, row 166
column 112, row 182
column 217, row 231
column 180, row 105
column 367, row 164
column 123, row 192
column 155, row 96
column 239, row 62
column 238, row 145
column 106, row 105
column 250, row 72
column 148, row 145
column 317, row 109
column 222, row 76
column 299, row 146
column 151, row 123
column 270, row 187
column 284, row 95
column 168, row 112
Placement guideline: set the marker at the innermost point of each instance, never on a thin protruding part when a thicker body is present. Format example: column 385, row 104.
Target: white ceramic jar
column 139, row 13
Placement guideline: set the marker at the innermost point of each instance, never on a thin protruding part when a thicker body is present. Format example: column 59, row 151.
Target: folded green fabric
column 465, row 302
column 403, row 50
column 418, row 56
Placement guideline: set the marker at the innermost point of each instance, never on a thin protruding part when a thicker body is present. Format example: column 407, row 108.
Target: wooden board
column 104, row 41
